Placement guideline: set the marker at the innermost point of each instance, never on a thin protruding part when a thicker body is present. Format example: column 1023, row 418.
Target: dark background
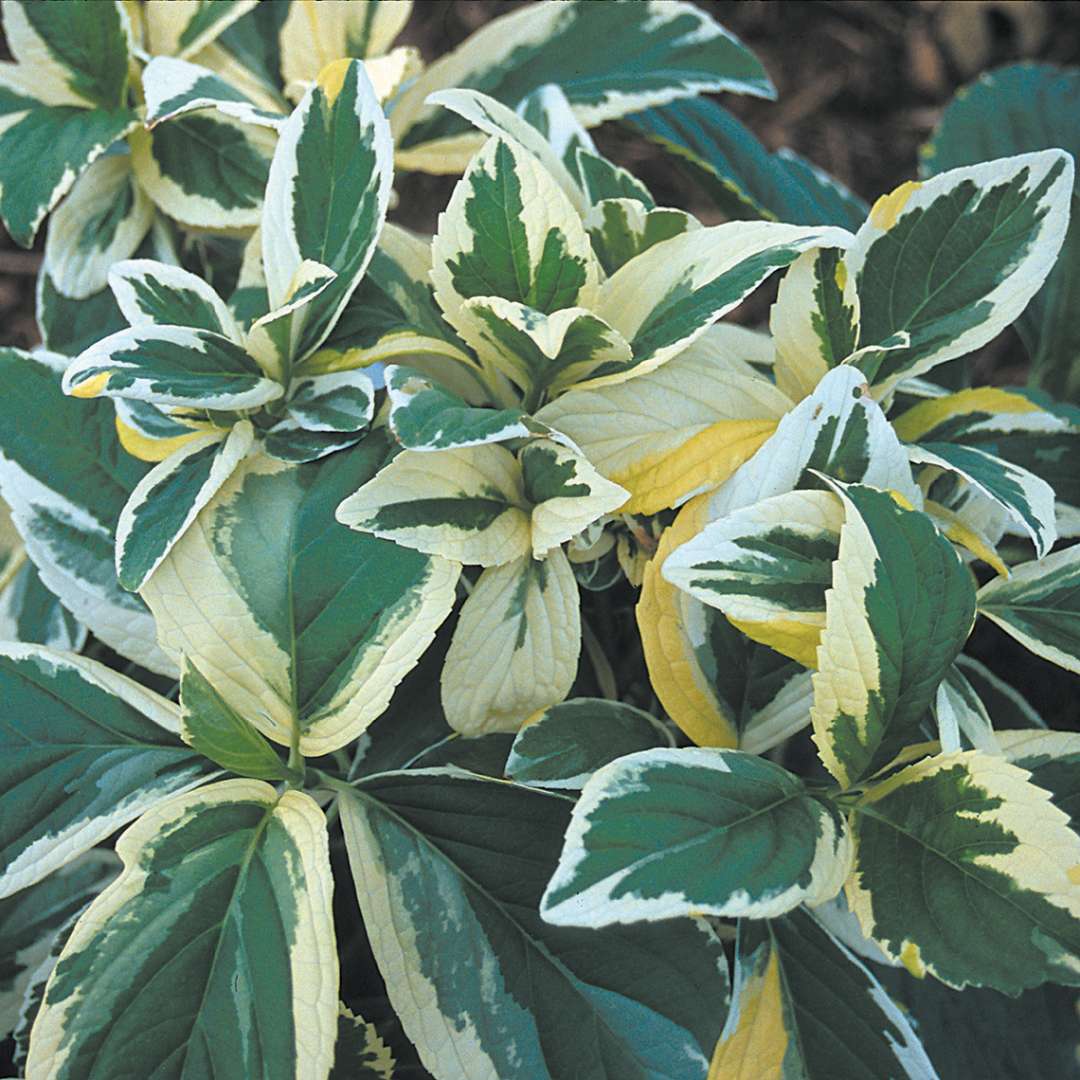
column 860, row 85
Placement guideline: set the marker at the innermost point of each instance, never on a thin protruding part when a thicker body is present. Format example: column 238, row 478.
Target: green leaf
column 338, row 140
column 955, row 260
column 663, row 833
column 67, row 326
column 29, row 612
column 566, row 744
column 488, row 990
column 217, row 731
column 742, row 177
column 622, row 228
column 213, row 951
column 983, row 1033
column 341, row 401
column 323, row 622
column 1009, row 708
column 967, row 871
column 171, row 365
column 651, row 53
column 1039, row 605
column 66, row 478
column 85, row 750
column 899, row 610
column 1013, row 110
column 150, row 292
column 31, row 920
column 804, row 1007
column 360, row 1052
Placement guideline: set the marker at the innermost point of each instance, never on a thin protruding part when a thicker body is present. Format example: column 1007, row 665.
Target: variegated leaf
column 666, row 297
column 29, row 612
column 302, row 625
column 206, row 169
column 174, row 366
column 899, row 610
column 467, row 504
column 727, row 834
column 776, row 1028
column 961, row 714
column 102, row 221
column 541, row 353
column 32, row 920
column 360, row 1052
column 564, row 745
column 767, row 567
column 510, row 232
column 153, row 293
column 1053, row 759
column 425, row 416
column 548, row 109
column 675, row 431
column 66, row 479
column 622, row 227
column 233, row 886
column 815, row 320
column 955, row 259
column 651, row 54
column 186, row 27
column 968, row 872
column 504, row 993
column 86, row 750
column 1028, row 500
column 338, row 139
column 566, row 492
column 168, row 498
column 175, row 87
column 339, row 401
column 515, row 648
column 151, row 434
column 1039, row 605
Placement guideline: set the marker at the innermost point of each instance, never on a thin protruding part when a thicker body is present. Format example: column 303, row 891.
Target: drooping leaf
column 506, row 993
column 85, row 750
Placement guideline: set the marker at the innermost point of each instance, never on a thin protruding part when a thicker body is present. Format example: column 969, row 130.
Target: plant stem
column 605, row 676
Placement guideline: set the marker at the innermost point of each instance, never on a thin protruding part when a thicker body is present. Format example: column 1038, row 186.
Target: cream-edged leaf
column 675, row 832
column 967, row 871
column 621, row 227
column 175, row 87
column 566, row 492
column 1039, row 605
column 466, row 504
column 85, row 751
column 899, row 610
column 233, row 886
column 102, row 221
column 515, row 648
column 955, row 259
column 300, row 623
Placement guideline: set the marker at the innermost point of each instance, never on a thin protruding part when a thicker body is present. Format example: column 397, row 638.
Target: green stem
column 605, row 676
column 296, row 763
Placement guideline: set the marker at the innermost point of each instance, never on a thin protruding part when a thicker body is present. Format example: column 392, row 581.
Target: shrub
column 327, row 542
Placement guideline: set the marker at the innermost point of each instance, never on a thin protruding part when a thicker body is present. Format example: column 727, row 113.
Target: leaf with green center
column 1039, row 605
column 767, row 567
column 564, row 745
column 899, row 610
column 955, row 260
column 515, row 647
column 186, row 31
column 967, row 871
column 171, row 365
column 804, row 1007
column 175, row 87
column 652, row 53
column 622, row 228
column 504, row 993
column 466, row 504
column 29, row 612
column 549, row 110
column 338, row 141
column 102, row 221
column 92, row 751
column 666, row 833
column 214, row 949
column 297, row 622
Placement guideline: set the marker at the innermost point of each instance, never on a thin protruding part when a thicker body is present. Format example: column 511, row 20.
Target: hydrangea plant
column 500, row 663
